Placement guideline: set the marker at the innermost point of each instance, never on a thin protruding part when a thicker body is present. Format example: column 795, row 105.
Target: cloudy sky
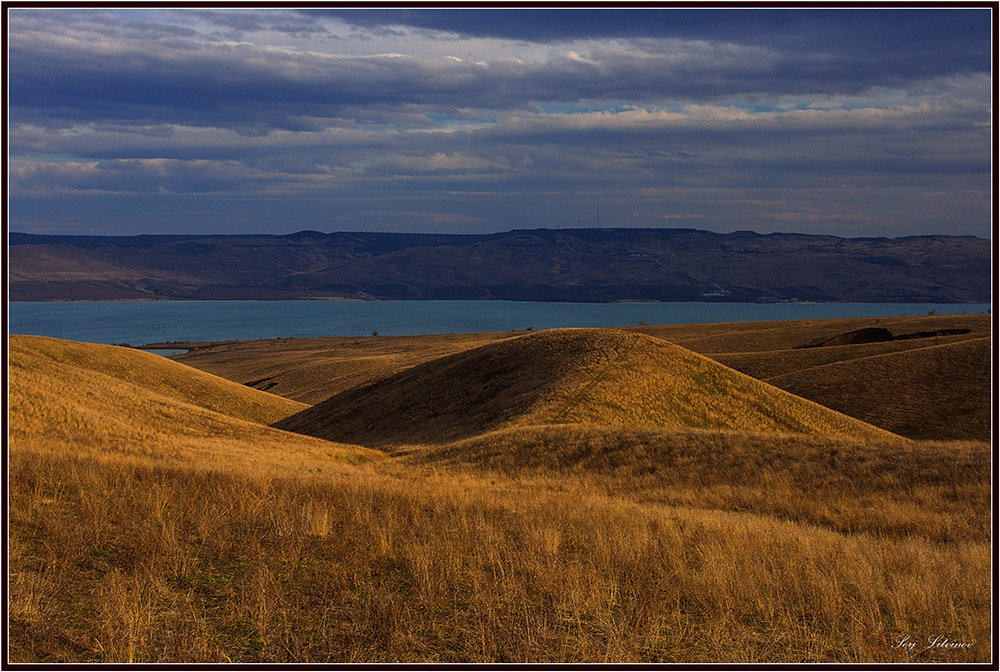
column 845, row 122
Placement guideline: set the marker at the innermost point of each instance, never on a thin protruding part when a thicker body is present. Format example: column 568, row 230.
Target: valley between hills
column 800, row 491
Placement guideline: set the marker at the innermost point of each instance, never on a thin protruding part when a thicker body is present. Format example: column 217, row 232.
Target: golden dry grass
column 772, row 363
column 733, row 337
column 151, row 372
column 597, row 376
column 941, row 391
column 314, row 369
column 311, row 370
column 145, row 527
column 938, row 490
column 120, row 563
column 147, row 408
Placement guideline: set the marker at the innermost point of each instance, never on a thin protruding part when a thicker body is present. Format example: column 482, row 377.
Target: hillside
column 314, row 368
column 311, row 370
column 772, row 363
column 536, row 265
column 597, row 376
column 783, row 335
column 152, row 517
column 840, row 483
column 940, row 391
column 67, row 397
column 154, row 373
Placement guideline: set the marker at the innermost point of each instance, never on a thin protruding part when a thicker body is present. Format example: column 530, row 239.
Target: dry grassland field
column 812, row 491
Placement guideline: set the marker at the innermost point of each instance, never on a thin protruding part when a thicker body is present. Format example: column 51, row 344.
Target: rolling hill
column 771, row 335
column 941, row 391
column 677, row 511
column 595, row 376
column 156, row 374
column 69, row 397
column 772, row 363
column 311, row 370
column 843, row 483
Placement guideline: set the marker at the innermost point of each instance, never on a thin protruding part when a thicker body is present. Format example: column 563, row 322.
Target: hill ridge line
column 872, row 357
column 150, row 373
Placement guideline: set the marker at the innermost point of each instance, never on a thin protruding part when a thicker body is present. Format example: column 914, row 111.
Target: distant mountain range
column 596, row 265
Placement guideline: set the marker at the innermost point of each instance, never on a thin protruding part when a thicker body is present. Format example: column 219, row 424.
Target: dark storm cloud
column 232, row 85
column 278, row 120
column 72, row 79
column 930, row 40
column 793, row 25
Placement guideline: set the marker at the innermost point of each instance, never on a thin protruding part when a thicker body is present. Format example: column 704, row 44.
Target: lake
column 141, row 322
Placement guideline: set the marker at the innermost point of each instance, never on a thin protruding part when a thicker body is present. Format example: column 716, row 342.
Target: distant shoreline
column 173, row 322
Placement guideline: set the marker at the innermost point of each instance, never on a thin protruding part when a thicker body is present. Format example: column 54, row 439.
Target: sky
column 847, row 122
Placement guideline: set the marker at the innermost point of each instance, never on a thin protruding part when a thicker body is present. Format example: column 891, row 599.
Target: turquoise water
column 141, row 322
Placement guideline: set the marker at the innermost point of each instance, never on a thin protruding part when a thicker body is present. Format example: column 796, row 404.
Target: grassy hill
column 779, row 335
column 313, row 369
column 152, row 372
column 849, row 485
column 125, row 563
column 154, row 518
column 596, row 376
column 772, row 363
column 940, row 391
column 68, row 397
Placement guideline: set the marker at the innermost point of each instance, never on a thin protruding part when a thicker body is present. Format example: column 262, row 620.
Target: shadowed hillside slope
column 942, row 391
column 67, row 397
column 594, row 376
